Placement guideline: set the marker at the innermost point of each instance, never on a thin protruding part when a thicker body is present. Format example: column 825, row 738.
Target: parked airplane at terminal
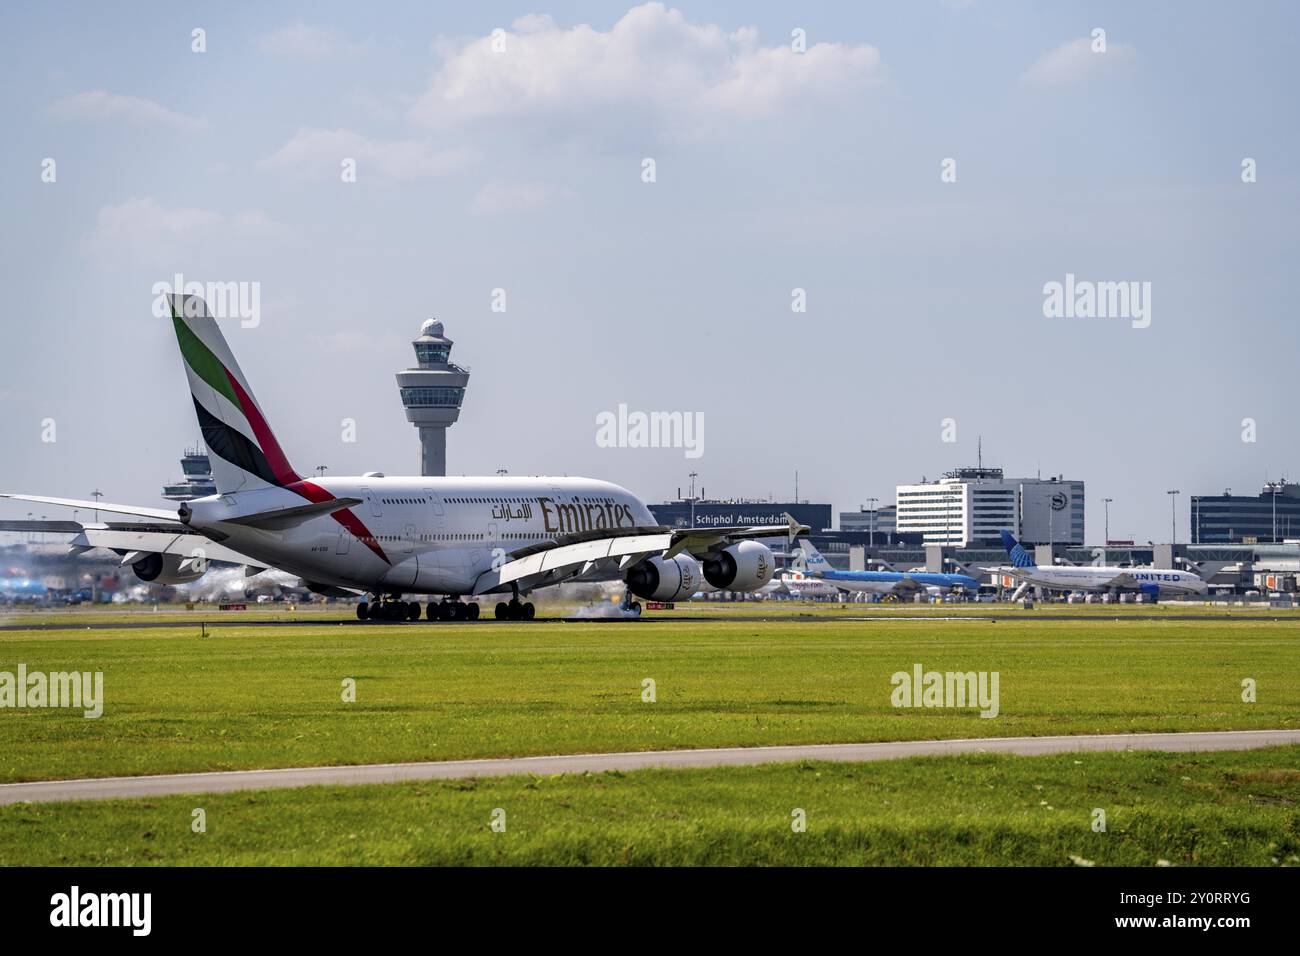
column 882, row 582
column 799, row 584
column 389, row 537
column 1151, row 581
column 21, row 590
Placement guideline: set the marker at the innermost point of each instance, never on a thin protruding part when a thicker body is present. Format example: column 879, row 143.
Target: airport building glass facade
column 1272, row 515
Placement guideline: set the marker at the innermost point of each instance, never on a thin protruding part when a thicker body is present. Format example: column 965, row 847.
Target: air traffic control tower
column 432, row 393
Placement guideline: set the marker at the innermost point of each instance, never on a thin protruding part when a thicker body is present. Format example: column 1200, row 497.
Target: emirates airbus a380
column 392, row 537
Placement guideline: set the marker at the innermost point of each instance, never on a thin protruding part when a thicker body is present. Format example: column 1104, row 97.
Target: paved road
column 132, row 625
column 113, row 787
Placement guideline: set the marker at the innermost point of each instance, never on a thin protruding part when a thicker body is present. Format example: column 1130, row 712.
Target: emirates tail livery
column 390, row 537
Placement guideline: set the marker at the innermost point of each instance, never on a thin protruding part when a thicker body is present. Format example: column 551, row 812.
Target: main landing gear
column 388, row 608
column 513, row 610
column 391, row 608
column 448, row 610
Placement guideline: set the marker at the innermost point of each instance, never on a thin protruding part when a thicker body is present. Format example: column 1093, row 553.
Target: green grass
column 758, row 610
column 1222, row 809
column 253, row 696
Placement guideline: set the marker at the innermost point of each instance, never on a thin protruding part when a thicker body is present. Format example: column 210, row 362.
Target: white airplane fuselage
column 1094, row 578
column 804, row 586
column 418, row 535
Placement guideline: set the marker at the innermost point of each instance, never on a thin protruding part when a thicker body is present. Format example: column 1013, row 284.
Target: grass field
column 253, row 696
column 262, row 696
column 81, row 615
column 1223, row 809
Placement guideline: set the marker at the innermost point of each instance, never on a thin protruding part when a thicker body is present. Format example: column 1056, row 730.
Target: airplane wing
column 572, row 560
column 1008, row 571
column 158, row 514
column 698, row 541
column 157, row 539
column 1123, row 580
column 533, row 568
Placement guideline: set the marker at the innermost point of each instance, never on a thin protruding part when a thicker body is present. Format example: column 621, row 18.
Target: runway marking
column 108, row 788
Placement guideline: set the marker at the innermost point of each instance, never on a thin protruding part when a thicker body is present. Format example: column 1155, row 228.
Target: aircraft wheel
column 472, row 611
column 413, row 611
column 502, row 611
column 432, row 611
column 528, row 611
column 458, row 611
column 636, row 608
column 363, row 611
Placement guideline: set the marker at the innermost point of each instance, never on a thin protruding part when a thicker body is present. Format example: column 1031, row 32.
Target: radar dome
column 431, row 327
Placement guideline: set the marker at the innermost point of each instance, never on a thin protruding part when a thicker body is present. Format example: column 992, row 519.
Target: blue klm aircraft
column 880, row 582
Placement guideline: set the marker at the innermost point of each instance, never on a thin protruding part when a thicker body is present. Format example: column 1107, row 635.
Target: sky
column 922, row 171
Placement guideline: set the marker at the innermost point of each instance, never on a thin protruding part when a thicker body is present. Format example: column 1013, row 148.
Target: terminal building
column 735, row 512
column 1271, row 516
column 972, row 506
column 881, row 521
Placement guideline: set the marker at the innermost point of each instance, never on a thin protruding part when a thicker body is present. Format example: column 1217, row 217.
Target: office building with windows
column 972, row 506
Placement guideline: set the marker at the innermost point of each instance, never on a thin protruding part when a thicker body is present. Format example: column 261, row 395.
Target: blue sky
column 521, row 170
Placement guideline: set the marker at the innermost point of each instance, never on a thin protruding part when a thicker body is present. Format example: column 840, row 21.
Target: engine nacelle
column 745, row 566
column 658, row 580
column 169, row 568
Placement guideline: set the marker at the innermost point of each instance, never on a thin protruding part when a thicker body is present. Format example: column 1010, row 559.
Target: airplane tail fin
column 812, row 558
column 244, row 452
column 1019, row 557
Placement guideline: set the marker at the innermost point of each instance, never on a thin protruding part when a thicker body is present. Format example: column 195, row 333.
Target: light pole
column 1173, row 525
column 871, row 535
column 693, row 476
column 96, row 494
column 1106, row 539
column 1273, row 488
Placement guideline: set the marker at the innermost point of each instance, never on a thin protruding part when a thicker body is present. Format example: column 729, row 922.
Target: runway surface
column 128, row 625
column 107, row 788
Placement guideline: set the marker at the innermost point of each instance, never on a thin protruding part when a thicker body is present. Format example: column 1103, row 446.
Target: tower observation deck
column 432, row 393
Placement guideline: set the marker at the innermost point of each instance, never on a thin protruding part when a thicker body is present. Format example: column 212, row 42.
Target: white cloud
column 320, row 153
column 1076, row 60
column 501, row 198
column 307, row 41
column 144, row 228
column 101, row 105
column 653, row 58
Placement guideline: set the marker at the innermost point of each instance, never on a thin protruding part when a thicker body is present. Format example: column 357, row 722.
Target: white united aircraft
column 389, row 537
column 1155, row 582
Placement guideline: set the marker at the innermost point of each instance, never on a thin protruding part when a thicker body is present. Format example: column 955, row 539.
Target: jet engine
column 168, row 568
column 656, row 579
column 744, row 566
